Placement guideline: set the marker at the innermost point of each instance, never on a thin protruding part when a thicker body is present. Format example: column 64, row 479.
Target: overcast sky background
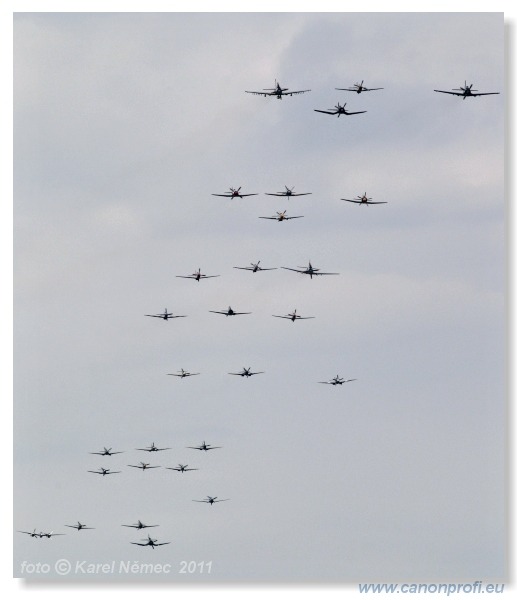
column 125, row 124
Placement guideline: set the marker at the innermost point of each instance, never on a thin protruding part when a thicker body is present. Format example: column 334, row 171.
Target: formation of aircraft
column 197, row 276
column 107, row 452
column 144, row 466
column 229, row 313
column 140, row 525
column 247, row 372
column 152, row 448
column 255, row 268
column 339, row 110
column 181, row 468
column 362, row 200
column 466, row 91
column 166, row 315
column 103, row 471
column 204, row 446
column 79, row 526
column 288, row 193
column 337, row 380
column 292, row 316
column 277, row 91
column 358, row 88
column 310, row 270
column 212, row 500
column 151, row 542
column 182, row 374
column 234, row 193
column 282, row 216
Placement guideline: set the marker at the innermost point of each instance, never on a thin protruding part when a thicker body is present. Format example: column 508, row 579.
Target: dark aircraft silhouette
column 288, row 193
column 79, row 526
column 339, row 110
column 277, row 91
column 181, row 468
column 292, row 316
column 140, row 525
column 151, row 542
column 166, row 316
column 182, row 374
column 362, row 200
column 33, row 534
column 281, row 216
column 337, row 380
column 144, row 466
column 229, row 313
column 310, row 270
column 103, row 472
column 197, row 276
column 234, row 193
column 106, row 452
column 358, row 87
column 211, row 500
column 152, row 448
column 255, row 267
column 204, row 446
column 466, row 91
column 246, row 372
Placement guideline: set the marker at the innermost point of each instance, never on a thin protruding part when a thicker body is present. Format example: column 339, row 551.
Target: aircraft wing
column 297, row 317
column 376, row 202
column 243, row 195
column 357, row 112
column 355, row 201
column 297, row 92
column 325, row 273
column 484, row 94
column 298, row 217
column 295, row 270
column 224, row 195
column 139, row 544
column 240, row 313
column 162, row 544
column 326, row 382
column 327, row 112
column 283, row 317
column 219, row 312
column 258, row 93
column 272, row 218
column 452, row 93
column 157, row 316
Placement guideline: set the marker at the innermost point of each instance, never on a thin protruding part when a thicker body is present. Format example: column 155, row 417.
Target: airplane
column 166, row 316
column 337, row 380
column 204, row 446
column 33, row 534
column 79, row 526
column 289, row 192
column 152, row 448
column 255, row 267
column 49, row 535
column 183, row 374
column 281, row 216
column 140, row 525
column 339, row 110
column 150, row 542
column 103, row 472
column 358, row 87
column 197, row 276
column 106, row 452
column 310, row 270
column 246, row 372
column 229, row 313
column 277, row 91
column 181, row 468
column 234, row 193
column 362, row 200
column 292, row 316
column 211, row 500
column 466, row 91
column 144, row 466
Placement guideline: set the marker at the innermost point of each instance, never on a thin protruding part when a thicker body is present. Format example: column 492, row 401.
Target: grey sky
column 125, row 124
